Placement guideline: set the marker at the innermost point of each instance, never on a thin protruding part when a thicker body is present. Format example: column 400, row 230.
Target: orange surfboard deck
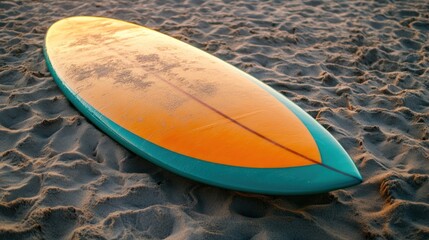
column 182, row 107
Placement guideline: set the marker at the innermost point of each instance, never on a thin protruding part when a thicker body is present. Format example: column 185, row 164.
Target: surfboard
column 190, row 112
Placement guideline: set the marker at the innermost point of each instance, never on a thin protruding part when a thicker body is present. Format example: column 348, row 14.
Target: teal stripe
column 279, row 181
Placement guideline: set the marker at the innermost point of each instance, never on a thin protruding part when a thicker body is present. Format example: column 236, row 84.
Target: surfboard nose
column 337, row 169
column 311, row 179
column 331, row 178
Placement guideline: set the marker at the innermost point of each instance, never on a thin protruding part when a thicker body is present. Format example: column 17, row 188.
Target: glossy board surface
column 191, row 112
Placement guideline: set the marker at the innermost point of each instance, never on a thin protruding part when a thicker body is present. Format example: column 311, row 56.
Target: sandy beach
column 360, row 68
